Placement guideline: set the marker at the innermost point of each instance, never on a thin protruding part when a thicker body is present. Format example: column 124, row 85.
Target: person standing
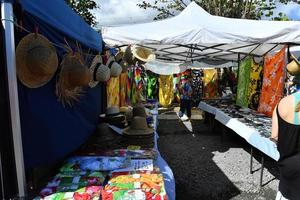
column 286, row 133
column 185, row 99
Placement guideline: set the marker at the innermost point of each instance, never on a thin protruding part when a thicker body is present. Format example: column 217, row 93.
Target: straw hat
column 115, row 68
column 128, row 56
column 139, row 111
column 138, row 127
column 99, row 71
column 143, row 54
column 36, row 60
column 114, row 117
column 294, row 66
column 127, row 111
column 73, row 76
column 121, row 61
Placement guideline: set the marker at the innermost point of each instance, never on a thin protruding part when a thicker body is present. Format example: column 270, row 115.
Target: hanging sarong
column 166, row 94
column 113, row 92
column 255, row 85
column 243, row 82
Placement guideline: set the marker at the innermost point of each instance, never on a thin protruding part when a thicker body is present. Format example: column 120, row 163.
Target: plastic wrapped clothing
column 210, row 81
column 166, row 94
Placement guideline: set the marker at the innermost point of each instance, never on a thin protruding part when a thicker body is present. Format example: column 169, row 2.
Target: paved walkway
column 206, row 167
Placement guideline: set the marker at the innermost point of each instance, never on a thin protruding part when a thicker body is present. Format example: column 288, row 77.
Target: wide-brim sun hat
column 138, row 127
column 111, row 111
column 139, row 110
column 74, row 75
column 115, row 68
column 99, row 71
column 143, row 54
column 36, row 60
column 294, row 66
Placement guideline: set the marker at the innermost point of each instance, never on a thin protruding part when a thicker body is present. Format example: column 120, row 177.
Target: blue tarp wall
column 51, row 131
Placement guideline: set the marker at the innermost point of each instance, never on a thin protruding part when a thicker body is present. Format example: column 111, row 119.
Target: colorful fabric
column 196, row 86
column 273, row 80
column 123, row 87
column 152, row 86
column 166, row 94
column 176, row 81
column 138, row 77
column 210, row 82
column 243, row 82
column 113, row 92
column 255, row 84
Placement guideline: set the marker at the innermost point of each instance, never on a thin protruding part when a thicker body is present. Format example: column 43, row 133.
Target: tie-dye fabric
column 152, row 85
column 243, row 82
column 255, row 84
column 273, row 80
column 123, row 87
column 113, row 92
column 166, row 94
column 210, row 82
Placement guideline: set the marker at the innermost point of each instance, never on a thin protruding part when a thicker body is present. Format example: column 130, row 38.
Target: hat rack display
column 36, row 60
column 99, row 71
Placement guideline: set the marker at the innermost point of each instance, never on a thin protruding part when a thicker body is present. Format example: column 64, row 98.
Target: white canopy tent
column 196, row 35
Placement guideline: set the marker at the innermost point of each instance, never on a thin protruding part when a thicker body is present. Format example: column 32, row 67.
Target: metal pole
column 261, row 171
column 8, row 26
column 251, row 160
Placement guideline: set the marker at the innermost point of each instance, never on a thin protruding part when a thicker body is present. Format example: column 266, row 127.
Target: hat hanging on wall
column 36, row 60
column 294, row 66
column 128, row 56
column 99, row 71
column 115, row 68
column 73, row 76
column 143, row 54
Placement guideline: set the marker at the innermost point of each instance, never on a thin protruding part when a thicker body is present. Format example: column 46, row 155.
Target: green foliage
column 245, row 9
column 83, row 7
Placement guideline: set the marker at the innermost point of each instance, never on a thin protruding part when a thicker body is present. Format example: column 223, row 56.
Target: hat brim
column 24, row 74
column 151, row 57
column 136, row 132
column 96, row 60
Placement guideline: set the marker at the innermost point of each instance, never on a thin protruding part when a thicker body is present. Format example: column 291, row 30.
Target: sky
column 116, row 12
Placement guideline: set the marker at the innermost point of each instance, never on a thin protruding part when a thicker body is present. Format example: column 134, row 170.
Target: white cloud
column 115, row 12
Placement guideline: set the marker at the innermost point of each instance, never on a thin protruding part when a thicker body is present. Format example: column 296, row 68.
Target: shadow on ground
column 191, row 157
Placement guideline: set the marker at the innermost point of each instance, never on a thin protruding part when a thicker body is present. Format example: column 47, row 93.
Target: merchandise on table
column 243, row 83
column 273, row 82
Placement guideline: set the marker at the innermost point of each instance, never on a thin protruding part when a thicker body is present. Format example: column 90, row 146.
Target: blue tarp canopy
column 51, row 131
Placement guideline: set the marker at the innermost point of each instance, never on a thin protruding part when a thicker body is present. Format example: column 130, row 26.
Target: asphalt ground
column 209, row 167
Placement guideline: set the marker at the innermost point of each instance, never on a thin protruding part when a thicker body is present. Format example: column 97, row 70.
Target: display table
column 250, row 134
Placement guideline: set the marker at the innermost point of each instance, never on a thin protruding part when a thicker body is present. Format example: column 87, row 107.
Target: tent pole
column 8, row 26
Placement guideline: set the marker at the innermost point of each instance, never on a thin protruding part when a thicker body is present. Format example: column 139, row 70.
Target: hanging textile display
column 243, row 82
column 196, row 86
column 113, row 92
column 166, row 94
column 152, row 85
column 210, row 82
column 176, row 81
column 273, row 80
column 255, row 84
column 123, row 87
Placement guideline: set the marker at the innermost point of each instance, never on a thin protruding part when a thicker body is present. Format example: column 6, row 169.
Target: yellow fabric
column 123, row 86
column 166, row 94
column 210, row 81
column 254, row 85
column 113, row 92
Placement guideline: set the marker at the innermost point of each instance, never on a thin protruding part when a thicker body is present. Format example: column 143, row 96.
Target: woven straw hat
column 143, row 54
column 138, row 127
column 99, row 71
column 139, row 111
column 128, row 56
column 115, row 68
column 294, row 66
column 73, row 76
column 36, row 60
column 127, row 111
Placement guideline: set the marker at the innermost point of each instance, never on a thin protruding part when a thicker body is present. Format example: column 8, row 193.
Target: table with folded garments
column 111, row 166
column 254, row 127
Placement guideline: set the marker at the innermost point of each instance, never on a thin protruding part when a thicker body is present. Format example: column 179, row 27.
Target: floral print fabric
column 113, row 91
column 255, row 84
column 273, row 80
column 243, row 83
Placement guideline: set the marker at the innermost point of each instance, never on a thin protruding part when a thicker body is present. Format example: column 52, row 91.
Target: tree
column 83, row 7
column 244, row 9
